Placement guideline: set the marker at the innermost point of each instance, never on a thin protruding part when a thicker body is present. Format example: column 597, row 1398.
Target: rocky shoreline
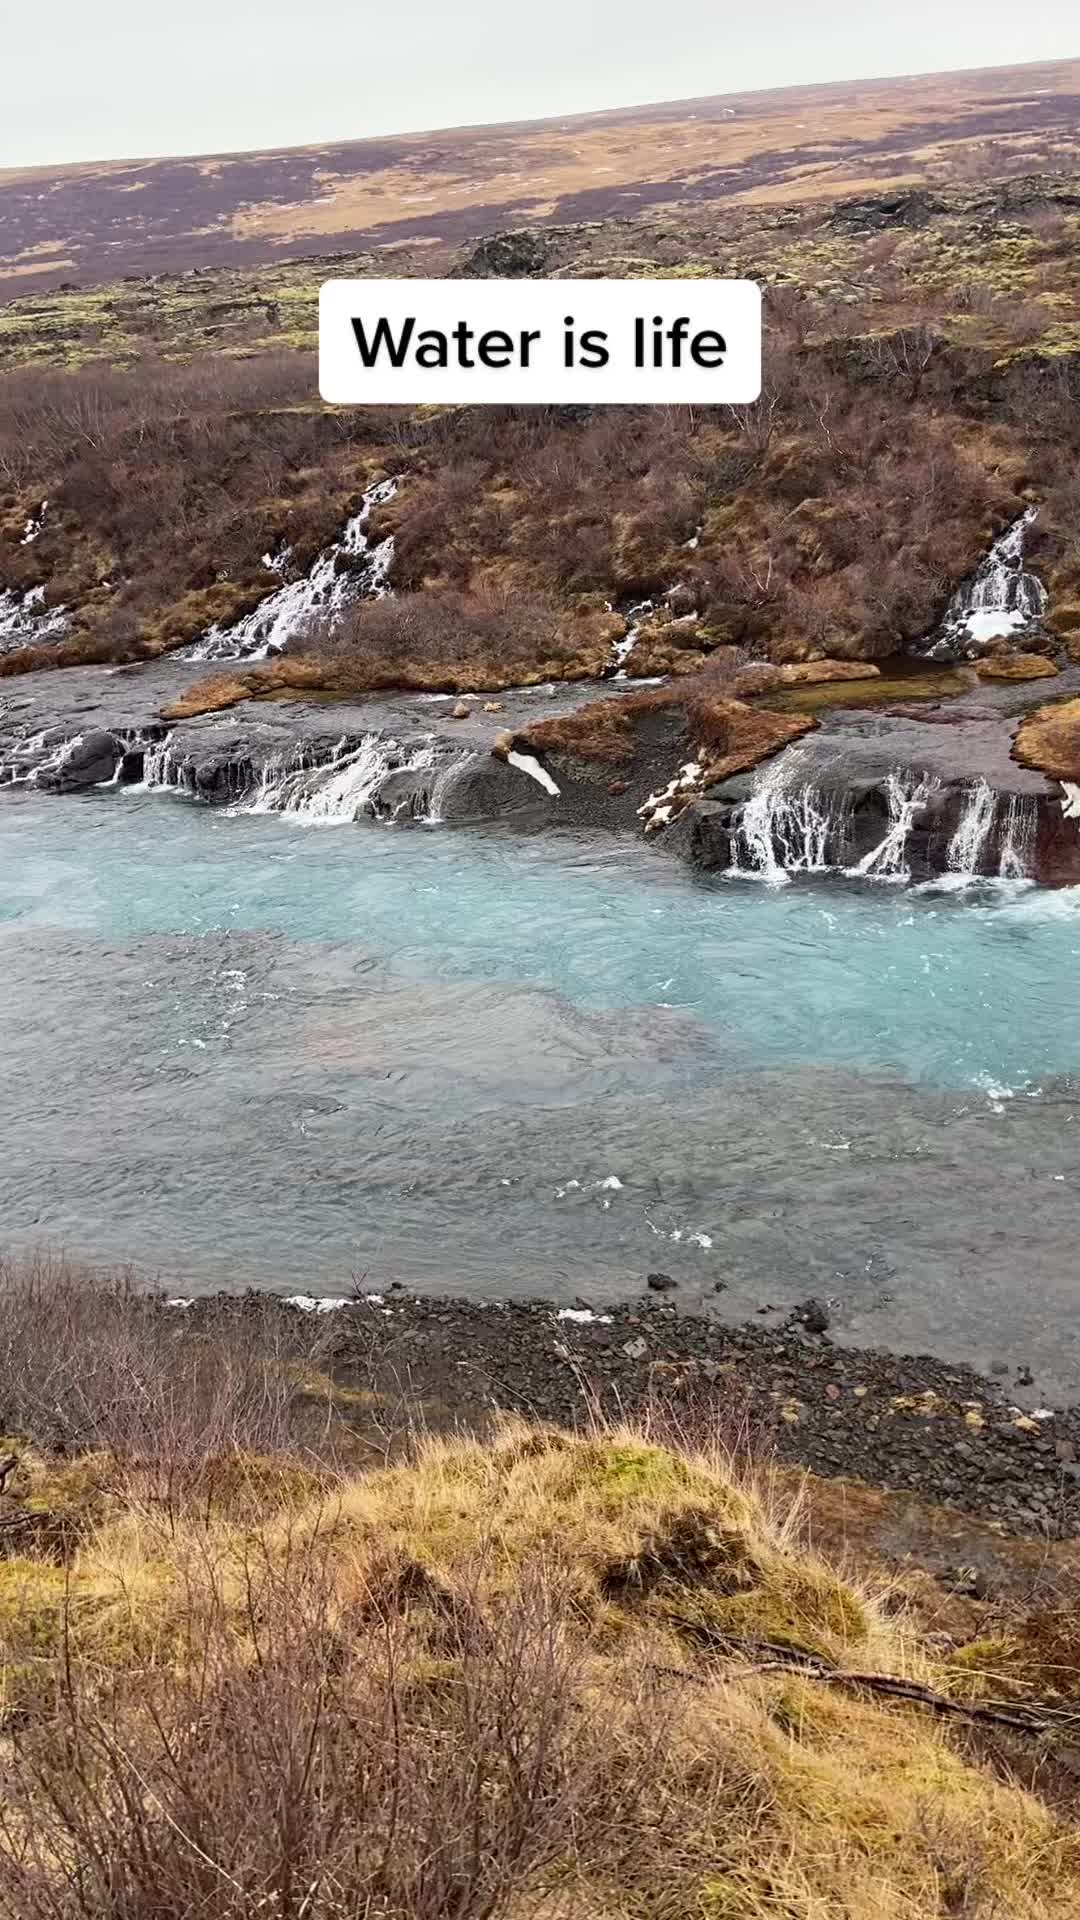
column 898, row 1422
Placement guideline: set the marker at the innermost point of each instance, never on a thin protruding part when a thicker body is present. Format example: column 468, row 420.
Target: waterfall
column 1017, row 856
column 990, row 824
column 333, row 792
column 907, row 796
column 162, row 769
column 787, row 826
column 973, row 829
column 621, row 650
column 25, row 620
column 636, row 617
column 998, row 600
column 326, row 590
column 425, row 803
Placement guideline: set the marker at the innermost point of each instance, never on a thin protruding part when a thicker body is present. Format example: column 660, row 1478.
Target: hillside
column 426, row 191
column 168, row 477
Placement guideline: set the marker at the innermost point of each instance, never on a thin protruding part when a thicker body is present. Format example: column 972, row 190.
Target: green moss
column 623, row 1472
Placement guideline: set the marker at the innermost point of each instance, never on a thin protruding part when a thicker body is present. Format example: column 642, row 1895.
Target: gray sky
column 98, row 79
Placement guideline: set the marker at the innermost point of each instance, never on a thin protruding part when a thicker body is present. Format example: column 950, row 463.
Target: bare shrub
column 91, row 1364
column 325, row 1768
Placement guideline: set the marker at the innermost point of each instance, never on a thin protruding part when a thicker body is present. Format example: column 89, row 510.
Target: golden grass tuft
column 559, row 1663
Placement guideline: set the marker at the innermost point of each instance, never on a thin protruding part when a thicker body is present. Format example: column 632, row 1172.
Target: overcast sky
column 104, row 79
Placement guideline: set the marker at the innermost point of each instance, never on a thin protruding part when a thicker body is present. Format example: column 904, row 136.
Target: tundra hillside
column 160, row 438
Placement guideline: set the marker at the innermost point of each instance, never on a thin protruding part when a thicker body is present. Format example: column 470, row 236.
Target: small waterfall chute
column 25, row 620
column 999, row 600
column 621, row 650
column 337, row 790
column 967, row 847
column 907, row 795
column 323, row 592
column 788, row 825
column 1016, row 860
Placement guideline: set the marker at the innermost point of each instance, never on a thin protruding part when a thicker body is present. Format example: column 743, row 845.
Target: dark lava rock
column 89, row 762
column 813, row 1315
column 509, row 256
column 874, row 213
column 660, row 1282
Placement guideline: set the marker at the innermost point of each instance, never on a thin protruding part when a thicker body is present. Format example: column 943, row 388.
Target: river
column 252, row 1051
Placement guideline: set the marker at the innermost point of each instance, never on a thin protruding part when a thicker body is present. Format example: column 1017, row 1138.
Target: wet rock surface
column 440, row 759
column 949, row 751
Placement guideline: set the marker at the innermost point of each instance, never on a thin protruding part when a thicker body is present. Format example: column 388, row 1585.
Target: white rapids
column 25, row 620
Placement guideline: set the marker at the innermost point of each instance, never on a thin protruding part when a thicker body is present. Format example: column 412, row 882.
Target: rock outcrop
column 1049, row 739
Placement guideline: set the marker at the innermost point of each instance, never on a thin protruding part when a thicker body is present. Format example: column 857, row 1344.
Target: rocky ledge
column 901, row 789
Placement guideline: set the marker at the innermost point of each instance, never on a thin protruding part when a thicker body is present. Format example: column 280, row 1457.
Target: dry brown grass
column 543, row 1674
column 1049, row 739
column 718, row 730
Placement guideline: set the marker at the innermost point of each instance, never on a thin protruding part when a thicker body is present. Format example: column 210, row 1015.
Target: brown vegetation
column 716, row 730
column 785, row 145
column 165, row 488
column 537, row 1674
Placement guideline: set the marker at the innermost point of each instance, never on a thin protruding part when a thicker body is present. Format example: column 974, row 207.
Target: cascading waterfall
column 162, row 769
column 1017, row 858
column 787, row 826
column 25, row 620
column 907, row 796
column 621, row 650
column 636, row 618
column 997, row 601
column 25, row 766
column 426, row 803
column 973, row 829
column 335, row 791
column 990, row 825
column 324, row 591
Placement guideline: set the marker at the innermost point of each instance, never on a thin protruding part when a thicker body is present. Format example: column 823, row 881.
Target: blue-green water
column 941, row 989
column 245, row 1051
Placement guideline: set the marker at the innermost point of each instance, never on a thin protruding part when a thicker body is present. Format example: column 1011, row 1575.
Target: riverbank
column 628, row 1660
column 906, row 1423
